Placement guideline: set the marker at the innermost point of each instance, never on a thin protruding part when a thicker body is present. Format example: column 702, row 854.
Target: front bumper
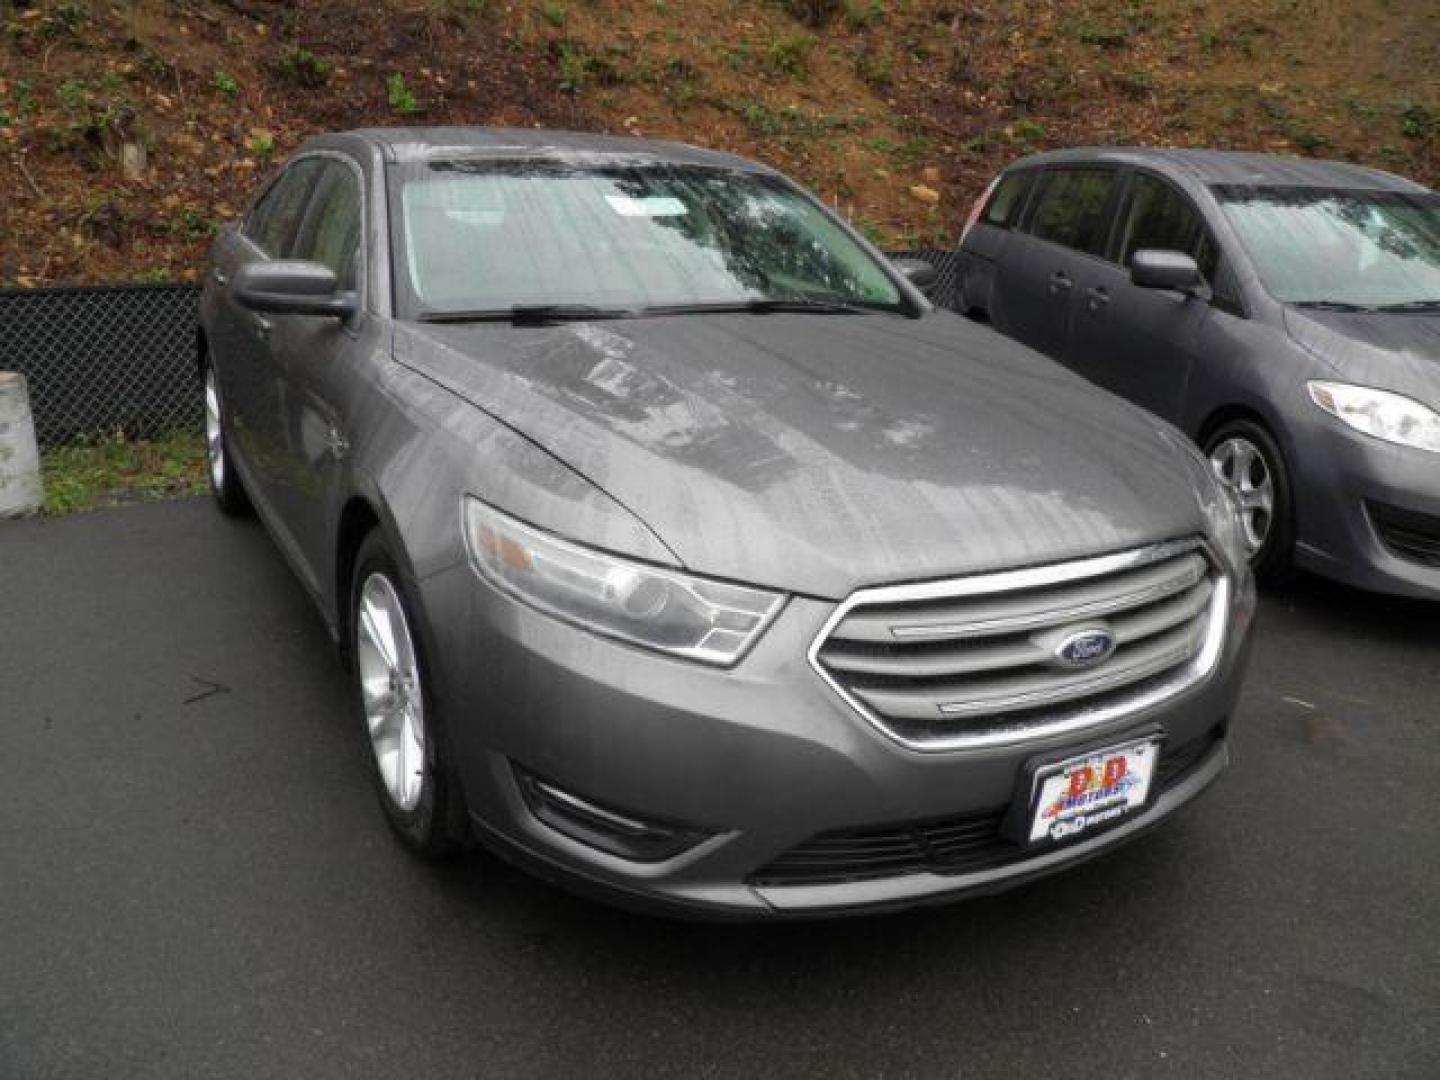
column 761, row 757
column 1339, row 475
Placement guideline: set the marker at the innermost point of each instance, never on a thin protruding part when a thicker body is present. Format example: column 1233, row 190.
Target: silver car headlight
column 1380, row 413
column 665, row 610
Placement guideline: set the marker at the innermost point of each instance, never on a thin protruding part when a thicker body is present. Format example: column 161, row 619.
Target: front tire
column 1247, row 460
column 225, row 484
column 408, row 761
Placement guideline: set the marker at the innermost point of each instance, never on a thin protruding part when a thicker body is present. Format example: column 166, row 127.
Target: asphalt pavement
column 195, row 881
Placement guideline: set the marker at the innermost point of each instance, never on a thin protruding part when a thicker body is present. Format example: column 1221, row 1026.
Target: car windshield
column 573, row 239
column 1325, row 247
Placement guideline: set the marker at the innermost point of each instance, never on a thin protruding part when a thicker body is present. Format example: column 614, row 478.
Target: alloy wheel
column 214, row 434
column 390, row 690
column 1242, row 468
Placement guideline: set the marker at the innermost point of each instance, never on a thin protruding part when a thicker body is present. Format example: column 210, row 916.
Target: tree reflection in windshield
column 483, row 235
column 1350, row 248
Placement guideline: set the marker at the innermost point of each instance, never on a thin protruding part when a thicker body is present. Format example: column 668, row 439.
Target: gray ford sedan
column 1283, row 312
column 683, row 553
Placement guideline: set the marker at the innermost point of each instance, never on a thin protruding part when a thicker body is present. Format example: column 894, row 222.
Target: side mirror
column 1150, row 269
column 294, row 287
column 918, row 272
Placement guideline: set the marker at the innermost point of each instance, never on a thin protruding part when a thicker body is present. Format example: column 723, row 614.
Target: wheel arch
column 1218, row 418
column 358, row 518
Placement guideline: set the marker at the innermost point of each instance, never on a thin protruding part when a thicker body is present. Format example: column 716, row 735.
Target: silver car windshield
column 492, row 236
column 1343, row 249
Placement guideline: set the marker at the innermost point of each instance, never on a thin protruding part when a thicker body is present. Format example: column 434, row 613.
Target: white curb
column 20, row 487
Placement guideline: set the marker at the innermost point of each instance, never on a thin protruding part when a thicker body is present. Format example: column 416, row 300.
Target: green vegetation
column 64, row 21
column 87, row 475
column 1419, row 122
column 261, row 144
column 302, row 67
column 861, row 13
column 98, row 114
column 226, row 84
column 789, row 54
column 399, row 96
column 553, row 13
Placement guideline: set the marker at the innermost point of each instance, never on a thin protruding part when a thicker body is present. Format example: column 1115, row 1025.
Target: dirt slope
column 128, row 131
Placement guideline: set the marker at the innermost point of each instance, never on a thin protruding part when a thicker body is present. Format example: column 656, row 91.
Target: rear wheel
column 409, row 764
column 225, row 485
column 1246, row 459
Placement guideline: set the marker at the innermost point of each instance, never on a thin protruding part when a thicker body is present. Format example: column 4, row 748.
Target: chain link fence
column 104, row 360
column 122, row 358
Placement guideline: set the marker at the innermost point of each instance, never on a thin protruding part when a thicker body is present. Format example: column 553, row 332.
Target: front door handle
column 1060, row 282
column 1096, row 298
column 263, row 326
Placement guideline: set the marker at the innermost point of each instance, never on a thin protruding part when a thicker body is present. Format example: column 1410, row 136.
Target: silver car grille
column 975, row 661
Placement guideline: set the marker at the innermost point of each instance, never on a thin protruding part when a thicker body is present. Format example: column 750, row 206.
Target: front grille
column 957, row 845
column 974, row 661
column 1410, row 535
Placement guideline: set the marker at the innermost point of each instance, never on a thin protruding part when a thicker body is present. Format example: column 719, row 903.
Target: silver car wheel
column 214, row 435
column 390, row 690
column 1242, row 468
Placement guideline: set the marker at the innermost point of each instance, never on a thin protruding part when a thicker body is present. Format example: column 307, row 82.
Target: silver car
column 683, row 553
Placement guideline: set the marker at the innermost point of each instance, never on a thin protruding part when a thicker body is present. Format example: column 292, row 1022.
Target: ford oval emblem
column 1085, row 648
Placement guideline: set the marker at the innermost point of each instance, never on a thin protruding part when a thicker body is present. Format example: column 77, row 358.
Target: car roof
column 1233, row 167
column 420, row 144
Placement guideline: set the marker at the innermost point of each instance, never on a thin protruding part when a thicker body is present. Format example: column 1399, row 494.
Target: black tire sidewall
column 1273, row 563
column 423, row 829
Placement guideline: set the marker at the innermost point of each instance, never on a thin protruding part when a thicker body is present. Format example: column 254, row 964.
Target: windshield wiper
column 1412, row 305
column 762, row 306
column 528, row 314
column 1331, row 305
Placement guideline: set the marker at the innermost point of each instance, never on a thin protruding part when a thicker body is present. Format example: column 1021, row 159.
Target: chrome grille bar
column 973, row 661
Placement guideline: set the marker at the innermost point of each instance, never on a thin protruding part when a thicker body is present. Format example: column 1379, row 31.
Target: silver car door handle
column 263, row 326
column 1060, row 282
column 220, row 277
column 1096, row 298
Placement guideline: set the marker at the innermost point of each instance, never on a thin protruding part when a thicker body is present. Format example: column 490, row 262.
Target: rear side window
column 1009, row 196
column 332, row 233
column 274, row 221
column 1070, row 208
column 1160, row 218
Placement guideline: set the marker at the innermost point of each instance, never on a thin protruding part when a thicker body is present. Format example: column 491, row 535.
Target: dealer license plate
column 1092, row 790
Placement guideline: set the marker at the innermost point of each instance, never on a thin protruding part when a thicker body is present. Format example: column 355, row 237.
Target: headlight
column 658, row 609
column 1392, row 417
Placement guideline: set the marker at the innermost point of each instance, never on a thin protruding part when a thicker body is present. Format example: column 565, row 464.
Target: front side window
column 275, row 219
column 491, row 235
column 1160, row 218
column 1070, row 208
column 332, row 233
column 1005, row 204
column 1340, row 248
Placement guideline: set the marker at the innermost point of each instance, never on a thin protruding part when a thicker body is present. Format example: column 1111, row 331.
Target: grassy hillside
column 128, row 131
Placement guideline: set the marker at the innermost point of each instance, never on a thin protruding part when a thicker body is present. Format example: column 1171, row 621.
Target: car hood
column 1391, row 350
column 821, row 453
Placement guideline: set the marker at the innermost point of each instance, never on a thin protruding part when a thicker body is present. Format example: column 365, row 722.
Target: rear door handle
column 263, row 326
column 1060, row 282
column 219, row 277
column 1096, row 298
